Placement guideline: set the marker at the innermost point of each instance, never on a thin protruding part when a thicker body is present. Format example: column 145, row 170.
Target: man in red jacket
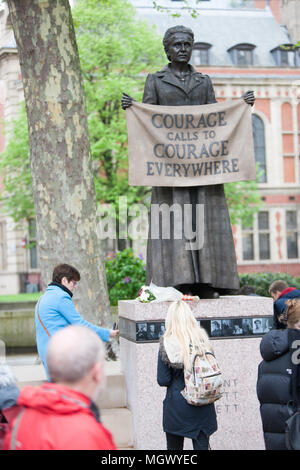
column 62, row 415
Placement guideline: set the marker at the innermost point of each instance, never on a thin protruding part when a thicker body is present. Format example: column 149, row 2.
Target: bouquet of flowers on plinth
column 162, row 294
column 145, row 295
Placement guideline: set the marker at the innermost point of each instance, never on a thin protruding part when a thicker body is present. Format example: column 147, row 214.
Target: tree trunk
column 62, row 179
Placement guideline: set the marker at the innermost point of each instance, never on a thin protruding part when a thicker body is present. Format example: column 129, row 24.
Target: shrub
column 125, row 274
column 261, row 281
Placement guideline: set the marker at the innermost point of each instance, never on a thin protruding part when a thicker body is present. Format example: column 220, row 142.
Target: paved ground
column 28, row 367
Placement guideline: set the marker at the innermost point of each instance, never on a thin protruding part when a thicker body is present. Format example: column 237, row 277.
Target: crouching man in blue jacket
column 55, row 310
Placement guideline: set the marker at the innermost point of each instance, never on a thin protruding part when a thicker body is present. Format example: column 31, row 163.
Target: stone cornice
column 7, row 50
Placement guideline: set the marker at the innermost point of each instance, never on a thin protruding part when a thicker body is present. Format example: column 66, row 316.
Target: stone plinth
column 242, row 321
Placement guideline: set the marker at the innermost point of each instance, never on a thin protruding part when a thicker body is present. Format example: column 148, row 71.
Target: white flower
column 144, row 296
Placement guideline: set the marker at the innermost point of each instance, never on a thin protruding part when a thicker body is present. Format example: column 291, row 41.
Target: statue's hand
column 126, row 101
column 249, row 97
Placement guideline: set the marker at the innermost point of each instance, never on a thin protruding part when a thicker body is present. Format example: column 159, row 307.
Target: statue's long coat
column 169, row 263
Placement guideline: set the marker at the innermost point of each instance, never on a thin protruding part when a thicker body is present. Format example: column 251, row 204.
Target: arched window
column 259, row 146
column 200, row 54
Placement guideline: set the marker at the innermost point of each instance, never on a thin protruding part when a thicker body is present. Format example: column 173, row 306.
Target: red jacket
column 57, row 418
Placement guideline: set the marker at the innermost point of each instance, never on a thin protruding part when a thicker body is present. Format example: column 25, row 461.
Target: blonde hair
column 182, row 326
column 293, row 312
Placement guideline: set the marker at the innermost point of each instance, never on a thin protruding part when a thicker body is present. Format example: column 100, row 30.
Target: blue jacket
column 179, row 417
column 57, row 310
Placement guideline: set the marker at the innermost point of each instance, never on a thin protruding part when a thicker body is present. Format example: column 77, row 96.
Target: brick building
column 19, row 270
column 18, row 266
column 238, row 44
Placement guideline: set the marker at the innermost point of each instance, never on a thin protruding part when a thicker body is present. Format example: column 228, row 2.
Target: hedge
column 261, row 281
column 125, row 274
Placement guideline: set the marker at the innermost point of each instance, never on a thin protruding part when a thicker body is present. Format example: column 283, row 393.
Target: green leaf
column 16, row 196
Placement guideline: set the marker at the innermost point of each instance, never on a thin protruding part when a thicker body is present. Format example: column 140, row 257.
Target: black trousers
column 175, row 442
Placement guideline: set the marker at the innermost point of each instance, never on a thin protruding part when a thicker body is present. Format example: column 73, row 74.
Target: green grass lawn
column 20, row 297
column 34, row 297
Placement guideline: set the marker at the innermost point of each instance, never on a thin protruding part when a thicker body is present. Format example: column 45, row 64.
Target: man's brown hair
column 278, row 286
column 65, row 270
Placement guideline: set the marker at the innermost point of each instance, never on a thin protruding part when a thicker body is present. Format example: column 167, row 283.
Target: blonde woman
column 180, row 419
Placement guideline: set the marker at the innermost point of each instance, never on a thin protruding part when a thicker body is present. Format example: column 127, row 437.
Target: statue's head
column 174, row 32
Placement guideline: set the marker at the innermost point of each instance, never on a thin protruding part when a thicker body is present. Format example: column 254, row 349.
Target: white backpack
column 203, row 380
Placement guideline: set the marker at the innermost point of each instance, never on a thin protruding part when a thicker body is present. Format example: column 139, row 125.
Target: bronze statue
column 211, row 270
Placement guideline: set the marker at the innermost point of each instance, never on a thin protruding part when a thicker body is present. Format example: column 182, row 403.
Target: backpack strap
column 15, row 427
column 37, row 311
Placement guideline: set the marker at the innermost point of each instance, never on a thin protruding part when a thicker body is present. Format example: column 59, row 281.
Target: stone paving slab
column 29, row 368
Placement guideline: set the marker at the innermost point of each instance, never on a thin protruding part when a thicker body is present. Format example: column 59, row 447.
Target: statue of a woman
column 211, row 270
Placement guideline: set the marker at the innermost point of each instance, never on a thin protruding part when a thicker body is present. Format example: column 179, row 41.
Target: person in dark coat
column 9, row 394
column 9, row 391
column 248, row 290
column 276, row 373
column 180, row 419
column 281, row 292
column 211, row 270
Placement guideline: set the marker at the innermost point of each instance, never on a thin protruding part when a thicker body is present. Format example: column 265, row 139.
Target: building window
column 242, row 54
column 286, row 56
column 256, row 238
column 200, row 54
column 248, row 242
column 291, row 234
column 33, row 255
column 259, row 146
column 3, row 246
column 263, row 235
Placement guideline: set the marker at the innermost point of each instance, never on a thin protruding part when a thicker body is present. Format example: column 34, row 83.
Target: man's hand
column 126, row 101
column 249, row 97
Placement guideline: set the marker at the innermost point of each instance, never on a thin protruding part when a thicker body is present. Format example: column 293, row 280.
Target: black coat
column 274, row 386
column 169, row 262
column 179, row 417
column 164, row 89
